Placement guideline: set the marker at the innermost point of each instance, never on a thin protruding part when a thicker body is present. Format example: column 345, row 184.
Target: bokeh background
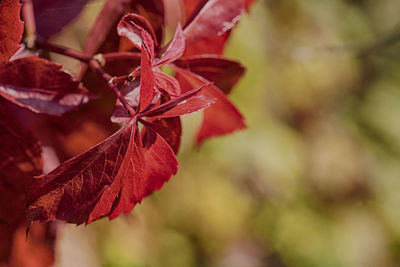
column 313, row 181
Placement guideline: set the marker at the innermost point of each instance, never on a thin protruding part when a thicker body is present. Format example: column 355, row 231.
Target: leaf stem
column 111, row 85
column 30, row 24
column 63, row 50
column 116, row 56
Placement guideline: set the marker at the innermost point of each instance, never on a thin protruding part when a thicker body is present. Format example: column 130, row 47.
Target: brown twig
column 63, row 50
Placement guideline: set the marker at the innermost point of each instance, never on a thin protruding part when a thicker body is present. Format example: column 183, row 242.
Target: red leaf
column 215, row 18
column 102, row 37
column 11, row 28
column 41, row 86
column 174, row 50
column 224, row 73
column 167, row 84
column 138, row 30
column 105, row 180
column 181, row 105
column 220, row 118
column 192, row 7
column 128, row 187
column 20, row 160
column 139, row 35
column 160, row 159
column 52, row 15
column 170, row 129
column 152, row 11
column 147, row 79
column 193, row 104
column 213, row 45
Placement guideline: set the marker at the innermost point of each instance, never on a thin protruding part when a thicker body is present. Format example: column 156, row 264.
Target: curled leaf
column 174, row 49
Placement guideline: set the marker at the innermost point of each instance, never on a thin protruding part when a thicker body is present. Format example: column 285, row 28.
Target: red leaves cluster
column 111, row 177
column 33, row 83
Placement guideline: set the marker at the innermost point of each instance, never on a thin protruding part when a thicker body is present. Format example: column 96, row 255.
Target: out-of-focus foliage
column 314, row 181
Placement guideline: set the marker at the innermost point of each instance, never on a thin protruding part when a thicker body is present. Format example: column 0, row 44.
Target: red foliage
column 111, row 177
column 11, row 29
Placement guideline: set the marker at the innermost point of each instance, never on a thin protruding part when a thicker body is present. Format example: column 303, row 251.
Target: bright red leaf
column 213, row 45
column 215, row 18
column 160, row 160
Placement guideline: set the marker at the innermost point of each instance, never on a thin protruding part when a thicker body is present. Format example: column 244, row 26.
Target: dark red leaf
column 20, row 160
column 11, row 28
column 215, row 18
column 160, row 159
column 120, row 63
column 174, row 50
column 181, row 105
column 41, row 86
column 220, row 118
column 52, row 15
column 105, row 180
column 128, row 187
column 224, row 73
column 170, row 129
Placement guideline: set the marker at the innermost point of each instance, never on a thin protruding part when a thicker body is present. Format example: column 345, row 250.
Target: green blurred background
column 313, row 181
